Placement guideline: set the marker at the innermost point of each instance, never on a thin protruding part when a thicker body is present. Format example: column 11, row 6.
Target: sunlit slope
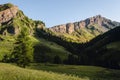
column 10, row 72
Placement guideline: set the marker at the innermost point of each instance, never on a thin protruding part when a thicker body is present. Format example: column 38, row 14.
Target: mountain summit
column 85, row 30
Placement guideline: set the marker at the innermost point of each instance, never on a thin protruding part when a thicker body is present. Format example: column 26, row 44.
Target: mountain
column 14, row 23
column 12, row 20
column 84, row 30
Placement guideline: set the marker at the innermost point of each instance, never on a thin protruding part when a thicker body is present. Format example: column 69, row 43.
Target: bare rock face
column 8, row 14
column 59, row 28
column 69, row 28
column 102, row 22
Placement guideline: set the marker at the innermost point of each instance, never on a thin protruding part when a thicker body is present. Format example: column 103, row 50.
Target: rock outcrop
column 98, row 20
column 8, row 14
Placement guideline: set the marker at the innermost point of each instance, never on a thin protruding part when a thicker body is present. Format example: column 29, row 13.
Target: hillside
column 85, row 30
column 104, row 50
column 10, row 72
column 13, row 22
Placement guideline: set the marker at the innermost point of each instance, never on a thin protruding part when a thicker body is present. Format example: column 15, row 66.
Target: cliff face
column 8, row 14
column 98, row 20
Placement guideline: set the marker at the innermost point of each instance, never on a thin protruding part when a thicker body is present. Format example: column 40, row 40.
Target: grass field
column 94, row 73
column 11, row 72
column 57, row 72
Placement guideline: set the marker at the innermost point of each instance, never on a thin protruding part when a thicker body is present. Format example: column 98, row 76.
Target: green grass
column 92, row 72
column 10, row 72
column 54, row 49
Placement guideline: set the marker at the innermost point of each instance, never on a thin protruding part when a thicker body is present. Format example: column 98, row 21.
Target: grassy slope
column 94, row 73
column 80, row 36
column 83, row 35
column 55, row 49
column 10, row 72
column 21, row 21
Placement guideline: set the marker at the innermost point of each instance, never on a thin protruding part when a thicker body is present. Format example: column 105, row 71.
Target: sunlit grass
column 10, row 72
column 93, row 72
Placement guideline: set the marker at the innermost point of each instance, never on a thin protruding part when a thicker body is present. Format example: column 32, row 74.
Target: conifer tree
column 22, row 54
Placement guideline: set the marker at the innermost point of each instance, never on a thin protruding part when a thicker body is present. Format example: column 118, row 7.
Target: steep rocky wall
column 8, row 14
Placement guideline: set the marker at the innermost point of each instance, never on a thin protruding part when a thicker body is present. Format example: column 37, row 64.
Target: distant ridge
column 86, row 29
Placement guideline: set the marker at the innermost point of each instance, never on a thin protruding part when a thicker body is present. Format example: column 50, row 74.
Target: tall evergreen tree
column 22, row 54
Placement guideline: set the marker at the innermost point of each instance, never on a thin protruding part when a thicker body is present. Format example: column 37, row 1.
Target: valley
column 84, row 50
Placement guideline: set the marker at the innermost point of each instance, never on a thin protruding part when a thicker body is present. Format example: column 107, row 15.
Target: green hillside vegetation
column 92, row 72
column 6, row 45
column 48, row 47
column 44, row 50
column 80, row 36
column 105, row 50
column 10, row 72
column 100, row 51
column 8, row 35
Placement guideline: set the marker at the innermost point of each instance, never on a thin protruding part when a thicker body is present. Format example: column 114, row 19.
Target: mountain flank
column 85, row 30
column 17, row 29
column 7, row 12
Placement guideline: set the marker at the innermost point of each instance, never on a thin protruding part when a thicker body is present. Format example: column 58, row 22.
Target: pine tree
column 22, row 54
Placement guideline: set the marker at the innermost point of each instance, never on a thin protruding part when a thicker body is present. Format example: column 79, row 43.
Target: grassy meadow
column 11, row 72
column 92, row 72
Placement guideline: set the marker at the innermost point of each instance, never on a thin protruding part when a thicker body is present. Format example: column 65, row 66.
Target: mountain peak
column 98, row 19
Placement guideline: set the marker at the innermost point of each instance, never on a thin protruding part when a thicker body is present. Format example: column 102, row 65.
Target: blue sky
column 54, row 12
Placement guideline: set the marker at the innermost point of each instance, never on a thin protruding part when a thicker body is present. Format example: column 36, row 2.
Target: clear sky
column 54, row 12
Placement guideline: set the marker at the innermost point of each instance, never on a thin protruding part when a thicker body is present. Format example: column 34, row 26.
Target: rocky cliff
column 12, row 20
column 101, row 22
column 85, row 30
column 8, row 14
